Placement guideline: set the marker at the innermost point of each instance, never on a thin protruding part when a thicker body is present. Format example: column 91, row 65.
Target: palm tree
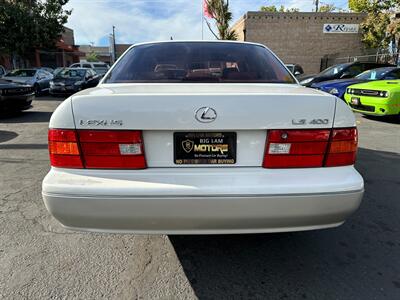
column 219, row 10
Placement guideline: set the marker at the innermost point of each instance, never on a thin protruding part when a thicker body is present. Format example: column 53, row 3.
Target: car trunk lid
column 163, row 110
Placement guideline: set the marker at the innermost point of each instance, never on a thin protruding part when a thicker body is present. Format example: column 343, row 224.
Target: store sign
column 341, row 28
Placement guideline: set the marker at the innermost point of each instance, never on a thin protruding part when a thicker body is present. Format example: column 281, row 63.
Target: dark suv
column 341, row 71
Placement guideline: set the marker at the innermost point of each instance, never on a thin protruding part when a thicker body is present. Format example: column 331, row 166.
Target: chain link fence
column 330, row 60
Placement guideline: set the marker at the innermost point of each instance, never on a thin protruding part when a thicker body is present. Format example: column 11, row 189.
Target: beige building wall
column 299, row 37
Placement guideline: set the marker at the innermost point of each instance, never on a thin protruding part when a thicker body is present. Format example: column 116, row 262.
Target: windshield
column 22, row 73
column 71, row 73
column 334, row 70
column 101, row 70
column 199, row 62
column 373, row 74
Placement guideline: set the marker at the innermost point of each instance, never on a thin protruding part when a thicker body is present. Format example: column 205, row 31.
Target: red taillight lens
column 96, row 149
column 112, row 149
column 64, row 149
column 310, row 148
column 301, row 148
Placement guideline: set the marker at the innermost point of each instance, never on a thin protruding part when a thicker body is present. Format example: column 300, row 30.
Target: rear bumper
column 180, row 201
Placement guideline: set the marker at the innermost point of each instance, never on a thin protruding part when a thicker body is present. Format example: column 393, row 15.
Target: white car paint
column 169, row 198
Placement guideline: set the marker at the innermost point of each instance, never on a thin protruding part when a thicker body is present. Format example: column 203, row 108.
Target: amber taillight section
column 342, row 148
column 64, row 149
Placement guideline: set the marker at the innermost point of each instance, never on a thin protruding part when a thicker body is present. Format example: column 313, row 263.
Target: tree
column 219, row 11
column 92, row 57
column 379, row 29
column 394, row 31
column 273, row 8
column 27, row 25
column 327, row 8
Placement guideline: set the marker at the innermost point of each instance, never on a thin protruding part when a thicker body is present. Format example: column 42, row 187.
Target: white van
column 100, row 67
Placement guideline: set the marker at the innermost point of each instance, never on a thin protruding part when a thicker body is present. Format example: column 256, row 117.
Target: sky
column 154, row 20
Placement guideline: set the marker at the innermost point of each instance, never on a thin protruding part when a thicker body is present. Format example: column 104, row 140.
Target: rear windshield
column 68, row 73
column 199, row 62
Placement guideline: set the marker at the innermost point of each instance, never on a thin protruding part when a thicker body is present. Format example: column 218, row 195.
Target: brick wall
column 299, row 38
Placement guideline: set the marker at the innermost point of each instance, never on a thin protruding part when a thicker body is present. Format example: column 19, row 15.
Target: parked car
column 38, row 78
column 48, row 69
column 55, row 72
column 15, row 96
column 185, row 149
column 2, row 71
column 338, row 87
column 296, row 69
column 341, row 71
column 69, row 81
column 378, row 98
column 100, row 67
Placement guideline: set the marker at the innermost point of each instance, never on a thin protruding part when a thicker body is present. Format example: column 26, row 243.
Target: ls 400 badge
column 312, row 122
column 101, row 122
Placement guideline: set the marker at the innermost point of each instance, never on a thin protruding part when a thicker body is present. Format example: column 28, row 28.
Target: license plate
column 210, row 148
column 355, row 101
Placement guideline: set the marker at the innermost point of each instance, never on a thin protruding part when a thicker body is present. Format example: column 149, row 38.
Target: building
column 64, row 53
column 305, row 38
column 103, row 53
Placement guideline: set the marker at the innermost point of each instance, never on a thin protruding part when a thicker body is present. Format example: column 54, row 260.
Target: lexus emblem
column 206, row 114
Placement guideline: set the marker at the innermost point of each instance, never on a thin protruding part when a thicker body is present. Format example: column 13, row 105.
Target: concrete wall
column 299, row 38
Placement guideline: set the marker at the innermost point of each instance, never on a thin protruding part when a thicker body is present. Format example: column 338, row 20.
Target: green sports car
column 379, row 98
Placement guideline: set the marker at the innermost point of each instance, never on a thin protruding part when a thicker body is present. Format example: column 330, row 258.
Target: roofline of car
column 197, row 41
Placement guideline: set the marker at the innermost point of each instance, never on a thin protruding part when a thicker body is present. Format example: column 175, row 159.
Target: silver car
column 38, row 78
column 166, row 143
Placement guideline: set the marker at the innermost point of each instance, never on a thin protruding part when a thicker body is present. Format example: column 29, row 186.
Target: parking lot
column 41, row 260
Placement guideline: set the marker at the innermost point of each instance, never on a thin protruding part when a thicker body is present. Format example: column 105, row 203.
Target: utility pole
column 114, row 46
column 316, row 2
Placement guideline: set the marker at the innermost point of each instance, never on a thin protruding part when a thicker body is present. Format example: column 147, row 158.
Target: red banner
column 207, row 12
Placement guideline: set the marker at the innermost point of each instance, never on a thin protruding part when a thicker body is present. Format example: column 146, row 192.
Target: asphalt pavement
column 41, row 260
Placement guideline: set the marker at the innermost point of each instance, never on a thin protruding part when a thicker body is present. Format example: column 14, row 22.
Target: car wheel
column 37, row 90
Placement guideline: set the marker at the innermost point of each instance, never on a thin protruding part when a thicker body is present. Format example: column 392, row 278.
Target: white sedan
column 201, row 138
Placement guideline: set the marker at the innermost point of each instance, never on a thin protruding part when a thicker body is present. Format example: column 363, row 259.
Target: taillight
column 64, row 149
column 112, row 149
column 98, row 149
column 310, row 148
column 296, row 148
column 342, row 148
